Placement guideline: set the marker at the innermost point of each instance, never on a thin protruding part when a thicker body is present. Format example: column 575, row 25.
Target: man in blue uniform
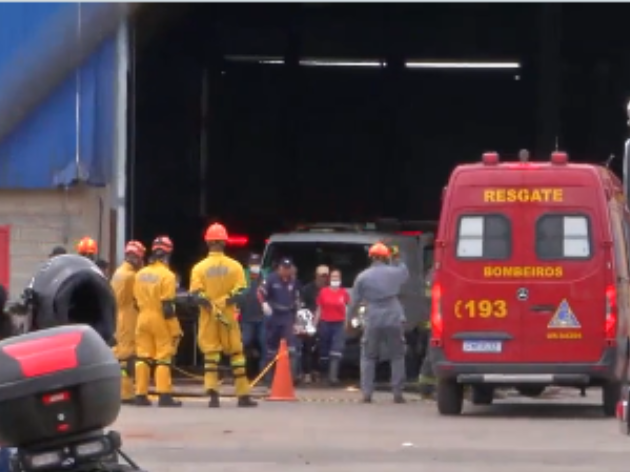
column 252, row 317
column 279, row 296
column 378, row 287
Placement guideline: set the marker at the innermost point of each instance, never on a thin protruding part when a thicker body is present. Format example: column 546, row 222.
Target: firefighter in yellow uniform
column 158, row 331
column 122, row 284
column 215, row 284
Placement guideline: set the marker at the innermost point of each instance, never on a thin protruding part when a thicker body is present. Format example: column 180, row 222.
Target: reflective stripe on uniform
column 241, row 363
column 426, row 380
column 144, row 360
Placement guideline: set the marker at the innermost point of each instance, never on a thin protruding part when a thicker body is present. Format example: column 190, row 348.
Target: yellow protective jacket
column 218, row 278
column 122, row 284
column 154, row 285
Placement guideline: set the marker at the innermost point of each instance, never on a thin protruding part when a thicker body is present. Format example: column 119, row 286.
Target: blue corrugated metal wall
column 41, row 152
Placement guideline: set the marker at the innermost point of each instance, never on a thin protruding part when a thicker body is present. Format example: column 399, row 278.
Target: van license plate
column 483, row 346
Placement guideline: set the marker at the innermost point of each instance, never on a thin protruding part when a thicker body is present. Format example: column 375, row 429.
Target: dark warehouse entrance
column 228, row 125
column 264, row 115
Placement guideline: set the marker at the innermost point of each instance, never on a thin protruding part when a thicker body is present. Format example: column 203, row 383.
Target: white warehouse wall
column 42, row 219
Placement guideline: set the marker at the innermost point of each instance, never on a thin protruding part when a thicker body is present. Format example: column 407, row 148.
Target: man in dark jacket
column 3, row 297
column 5, row 330
column 311, row 290
column 252, row 317
column 6, row 325
column 305, row 345
column 58, row 251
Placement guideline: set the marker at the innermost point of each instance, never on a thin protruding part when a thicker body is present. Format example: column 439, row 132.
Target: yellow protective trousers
column 125, row 350
column 122, row 284
column 127, row 372
column 157, row 340
column 214, row 338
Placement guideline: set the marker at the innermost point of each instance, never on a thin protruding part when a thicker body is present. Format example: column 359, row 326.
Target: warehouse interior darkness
column 261, row 116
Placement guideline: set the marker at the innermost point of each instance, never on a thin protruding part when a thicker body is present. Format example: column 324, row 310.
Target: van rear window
column 563, row 237
column 484, row 237
column 350, row 258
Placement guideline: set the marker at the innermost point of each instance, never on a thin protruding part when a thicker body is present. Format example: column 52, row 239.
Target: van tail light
column 437, row 324
column 238, row 241
column 611, row 315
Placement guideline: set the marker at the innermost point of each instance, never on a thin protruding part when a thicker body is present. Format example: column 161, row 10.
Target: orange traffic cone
column 282, row 387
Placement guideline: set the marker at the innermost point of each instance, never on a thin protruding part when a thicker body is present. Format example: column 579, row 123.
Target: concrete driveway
column 566, row 433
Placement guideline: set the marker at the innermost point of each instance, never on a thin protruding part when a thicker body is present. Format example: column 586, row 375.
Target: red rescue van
column 531, row 274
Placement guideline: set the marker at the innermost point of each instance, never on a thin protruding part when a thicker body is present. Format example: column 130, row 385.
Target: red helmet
column 162, row 243
column 136, row 248
column 216, row 232
column 87, row 246
column 379, row 250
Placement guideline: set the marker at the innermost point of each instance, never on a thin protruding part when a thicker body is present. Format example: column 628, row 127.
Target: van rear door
column 564, row 315
column 479, row 285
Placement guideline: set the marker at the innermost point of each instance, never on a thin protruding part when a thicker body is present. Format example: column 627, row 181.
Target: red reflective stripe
column 46, row 355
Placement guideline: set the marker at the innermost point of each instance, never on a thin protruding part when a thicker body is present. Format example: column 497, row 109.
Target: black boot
column 246, row 402
column 333, row 372
column 167, row 401
column 398, row 398
column 214, row 399
column 142, row 400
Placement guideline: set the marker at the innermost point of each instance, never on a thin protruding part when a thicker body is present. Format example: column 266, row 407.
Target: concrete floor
column 562, row 434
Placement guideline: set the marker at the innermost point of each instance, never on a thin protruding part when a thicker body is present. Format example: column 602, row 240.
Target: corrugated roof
column 41, row 151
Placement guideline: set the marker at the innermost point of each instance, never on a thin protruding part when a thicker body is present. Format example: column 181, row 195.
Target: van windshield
column 427, row 258
column 350, row 258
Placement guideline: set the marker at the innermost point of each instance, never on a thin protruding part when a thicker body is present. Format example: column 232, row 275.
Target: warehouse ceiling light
column 341, row 63
column 313, row 62
column 273, row 60
column 309, row 61
column 376, row 63
column 461, row 65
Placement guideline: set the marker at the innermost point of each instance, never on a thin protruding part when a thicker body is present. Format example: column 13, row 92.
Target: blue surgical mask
column 255, row 269
column 335, row 283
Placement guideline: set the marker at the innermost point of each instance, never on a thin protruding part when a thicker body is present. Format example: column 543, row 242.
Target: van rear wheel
column 610, row 396
column 450, row 397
